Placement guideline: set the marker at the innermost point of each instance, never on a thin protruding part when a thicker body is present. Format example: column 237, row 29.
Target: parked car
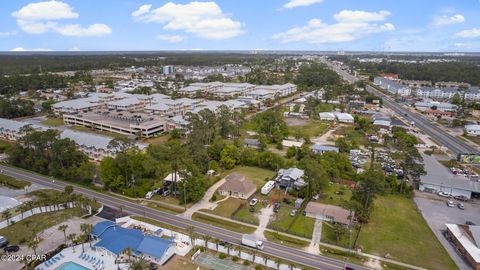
column 3, row 241
column 461, row 206
column 293, row 212
column 316, row 196
column 149, row 195
column 253, row 201
column 11, row 249
column 444, row 194
column 450, row 204
column 461, row 198
column 276, row 207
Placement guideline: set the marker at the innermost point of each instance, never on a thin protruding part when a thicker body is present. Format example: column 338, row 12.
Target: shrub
column 246, row 263
column 258, row 267
column 222, row 256
column 13, row 182
column 235, row 258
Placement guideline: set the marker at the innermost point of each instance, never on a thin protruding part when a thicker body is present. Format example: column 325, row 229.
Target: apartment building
column 441, row 106
column 392, row 86
column 13, row 130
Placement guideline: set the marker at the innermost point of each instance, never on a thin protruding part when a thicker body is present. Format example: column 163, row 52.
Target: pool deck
column 96, row 259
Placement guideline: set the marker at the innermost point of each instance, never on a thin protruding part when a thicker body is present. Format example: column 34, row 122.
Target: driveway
column 205, row 203
column 263, row 219
column 437, row 214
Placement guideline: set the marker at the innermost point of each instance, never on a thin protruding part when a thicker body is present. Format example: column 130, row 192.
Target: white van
column 149, row 195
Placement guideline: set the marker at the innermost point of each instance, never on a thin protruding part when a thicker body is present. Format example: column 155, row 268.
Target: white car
column 253, row 201
column 149, row 195
column 450, row 204
column 444, row 194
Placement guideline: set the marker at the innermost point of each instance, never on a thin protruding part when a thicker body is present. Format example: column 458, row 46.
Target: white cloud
column 74, row 49
column 7, row 33
column 470, row 33
column 21, row 49
column 42, row 17
column 171, row 38
column 301, row 3
column 350, row 26
column 447, row 19
column 203, row 19
column 48, row 10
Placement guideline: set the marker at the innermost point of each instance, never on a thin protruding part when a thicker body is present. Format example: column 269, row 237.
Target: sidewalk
column 323, row 244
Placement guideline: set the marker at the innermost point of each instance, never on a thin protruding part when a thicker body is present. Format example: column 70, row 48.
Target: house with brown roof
column 328, row 212
column 237, row 186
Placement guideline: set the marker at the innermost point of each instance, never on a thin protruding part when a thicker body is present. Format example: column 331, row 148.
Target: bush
column 222, row 256
column 258, row 267
column 246, row 263
column 235, row 258
column 13, row 182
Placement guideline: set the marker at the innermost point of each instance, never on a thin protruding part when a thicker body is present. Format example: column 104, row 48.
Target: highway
column 272, row 249
column 453, row 143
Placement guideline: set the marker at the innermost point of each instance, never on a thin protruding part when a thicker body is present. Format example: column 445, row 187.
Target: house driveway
column 263, row 219
column 205, row 203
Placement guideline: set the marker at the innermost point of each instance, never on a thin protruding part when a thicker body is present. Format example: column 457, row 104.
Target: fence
column 34, row 211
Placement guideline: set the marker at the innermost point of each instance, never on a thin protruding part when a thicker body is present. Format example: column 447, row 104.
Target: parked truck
column 252, row 241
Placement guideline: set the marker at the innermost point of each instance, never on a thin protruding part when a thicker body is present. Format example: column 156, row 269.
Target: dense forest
column 435, row 72
column 16, row 108
column 10, row 85
column 41, row 63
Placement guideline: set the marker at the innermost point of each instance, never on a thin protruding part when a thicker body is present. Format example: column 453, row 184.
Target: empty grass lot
column 229, row 207
column 285, row 240
column 298, row 225
column 311, row 128
column 396, row 228
column 53, row 122
column 22, row 231
column 329, row 196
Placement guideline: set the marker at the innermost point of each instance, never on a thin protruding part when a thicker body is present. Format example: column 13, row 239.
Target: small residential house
column 328, row 212
column 472, row 130
column 292, row 177
column 466, row 239
column 290, row 143
column 344, row 117
column 320, row 149
column 237, row 186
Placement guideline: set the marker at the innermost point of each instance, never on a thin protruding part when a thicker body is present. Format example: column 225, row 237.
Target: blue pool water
column 71, row 266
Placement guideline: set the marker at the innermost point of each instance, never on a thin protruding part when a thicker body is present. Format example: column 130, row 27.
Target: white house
column 326, row 116
column 344, row 117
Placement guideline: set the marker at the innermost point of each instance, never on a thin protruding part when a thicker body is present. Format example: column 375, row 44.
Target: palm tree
column 206, row 238
column 7, row 215
column 191, row 234
column 72, row 237
column 267, row 258
column 254, row 253
column 128, row 251
column 63, row 228
column 139, row 264
column 33, row 244
column 30, row 205
column 86, row 229
column 22, row 208
column 216, row 241
column 278, row 261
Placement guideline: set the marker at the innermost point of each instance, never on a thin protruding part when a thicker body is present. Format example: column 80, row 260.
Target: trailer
column 267, row 187
column 251, row 240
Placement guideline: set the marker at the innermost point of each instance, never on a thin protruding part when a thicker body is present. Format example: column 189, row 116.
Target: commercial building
column 344, row 117
column 115, row 240
column 441, row 106
column 327, row 116
column 13, row 130
column 466, row 239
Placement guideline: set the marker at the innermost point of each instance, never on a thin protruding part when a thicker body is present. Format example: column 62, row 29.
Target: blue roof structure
column 154, row 246
column 116, row 239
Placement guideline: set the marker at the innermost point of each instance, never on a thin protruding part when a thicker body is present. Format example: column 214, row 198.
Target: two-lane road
column 453, row 143
column 271, row 248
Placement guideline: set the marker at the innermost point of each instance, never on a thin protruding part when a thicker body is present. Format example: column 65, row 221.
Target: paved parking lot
column 437, row 214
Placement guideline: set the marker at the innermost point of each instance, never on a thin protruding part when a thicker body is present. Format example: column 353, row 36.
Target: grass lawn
column 312, row 128
column 98, row 132
column 285, row 240
column 298, row 225
column 21, row 232
column 328, row 236
column 351, row 134
column 179, row 262
column 226, row 208
column 5, row 145
column 53, row 122
column 244, row 214
column 329, row 196
column 254, row 174
column 232, row 226
column 13, row 182
column 475, row 139
column 159, row 140
column 396, row 228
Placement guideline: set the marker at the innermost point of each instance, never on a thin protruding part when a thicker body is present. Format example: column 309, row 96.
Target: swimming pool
column 71, row 266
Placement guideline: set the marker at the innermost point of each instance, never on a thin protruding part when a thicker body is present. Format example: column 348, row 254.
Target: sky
column 335, row 25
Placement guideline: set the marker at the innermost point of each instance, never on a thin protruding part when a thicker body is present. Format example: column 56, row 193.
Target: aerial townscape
column 159, row 136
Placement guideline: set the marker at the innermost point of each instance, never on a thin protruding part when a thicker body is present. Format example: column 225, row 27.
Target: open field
column 395, row 227
column 309, row 128
column 226, row 208
column 22, row 231
column 159, row 140
column 329, row 197
column 53, row 122
column 297, row 225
